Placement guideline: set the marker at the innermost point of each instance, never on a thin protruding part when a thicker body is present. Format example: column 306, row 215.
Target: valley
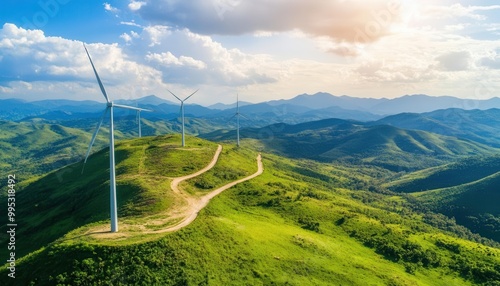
column 332, row 201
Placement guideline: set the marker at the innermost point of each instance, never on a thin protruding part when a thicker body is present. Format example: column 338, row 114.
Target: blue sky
column 261, row 49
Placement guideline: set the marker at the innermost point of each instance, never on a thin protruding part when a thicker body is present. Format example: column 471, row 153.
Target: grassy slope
column 454, row 174
column 382, row 145
column 33, row 148
column 466, row 190
column 283, row 227
column 66, row 198
column 474, row 205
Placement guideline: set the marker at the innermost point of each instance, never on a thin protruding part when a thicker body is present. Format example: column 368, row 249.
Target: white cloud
column 126, row 37
column 350, row 21
column 136, row 5
column 33, row 63
column 132, row 23
column 455, row 61
column 168, row 59
column 458, row 10
column 110, row 8
column 185, row 57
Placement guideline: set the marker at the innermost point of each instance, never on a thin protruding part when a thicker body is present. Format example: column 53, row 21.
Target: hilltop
column 298, row 223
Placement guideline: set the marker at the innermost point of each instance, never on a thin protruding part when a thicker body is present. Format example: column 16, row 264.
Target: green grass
column 233, row 164
column 299, row 223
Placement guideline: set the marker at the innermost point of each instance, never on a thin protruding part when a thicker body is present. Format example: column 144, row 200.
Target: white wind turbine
column 139, row 119
column 112, row 177
column 237, row 115
column 182, row 112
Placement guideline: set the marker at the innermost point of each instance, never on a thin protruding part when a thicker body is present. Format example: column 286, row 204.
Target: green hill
column 37, row 146
column 296, row 224
column 29, row 148
column 477, row 125
column 474, row 205
column 464, row 171
column 466, row 190
column 359, row 143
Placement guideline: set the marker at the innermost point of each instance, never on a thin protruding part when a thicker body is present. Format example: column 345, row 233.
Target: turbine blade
column 232, row 117
column 191, row 95
column 97, row 76
column 174, row 95
column 131, row 107
column 243, row 116
column 95, row 135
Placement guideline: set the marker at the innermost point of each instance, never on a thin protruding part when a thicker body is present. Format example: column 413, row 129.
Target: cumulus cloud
column 110, row 8
column 150, row 61
column 455, row 61
column 186, row 57
column 351, row 21
column 31, row 58
column 168, row 59
column 492, row 62
column 136, row 5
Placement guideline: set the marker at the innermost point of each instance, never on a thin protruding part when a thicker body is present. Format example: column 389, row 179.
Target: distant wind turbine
column 182, row 112
column 237, row 115
column 112, row 177
column 139, row 119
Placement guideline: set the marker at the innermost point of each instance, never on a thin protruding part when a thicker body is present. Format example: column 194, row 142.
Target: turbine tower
column 182, row 112
column 112, row 177
column 139, row 119
column 237, row 115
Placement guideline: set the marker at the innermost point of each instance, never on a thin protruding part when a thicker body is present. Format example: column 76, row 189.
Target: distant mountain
column 300, row 109
column 262, row 114
column 222, row 106
column 477, row 125
column 151, row 100
column 322, row 100
column 358, row 143
column 338, row 112
column 15, row 109
column 417, row 103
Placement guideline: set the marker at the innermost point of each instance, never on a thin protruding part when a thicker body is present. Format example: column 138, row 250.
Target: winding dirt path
column 185, row 214
column 197, row 204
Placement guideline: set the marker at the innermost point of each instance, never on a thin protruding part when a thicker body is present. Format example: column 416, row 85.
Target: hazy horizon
column 263, row 50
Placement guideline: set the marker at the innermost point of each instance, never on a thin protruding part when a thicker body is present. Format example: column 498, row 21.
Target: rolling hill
column 35, row 148
column 466, row 190
column 359, row 143
column 473, row 205
column 477, row 125
column 283, row 227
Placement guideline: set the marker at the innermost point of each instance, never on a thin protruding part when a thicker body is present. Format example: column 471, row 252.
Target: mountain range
column 359, row 143
column 301, row 108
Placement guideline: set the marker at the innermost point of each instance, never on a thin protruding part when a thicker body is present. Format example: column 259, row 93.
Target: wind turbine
column 139, row 119
column 139, row 122
column 112, row 177
column 182, row 112
column 237, row 115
